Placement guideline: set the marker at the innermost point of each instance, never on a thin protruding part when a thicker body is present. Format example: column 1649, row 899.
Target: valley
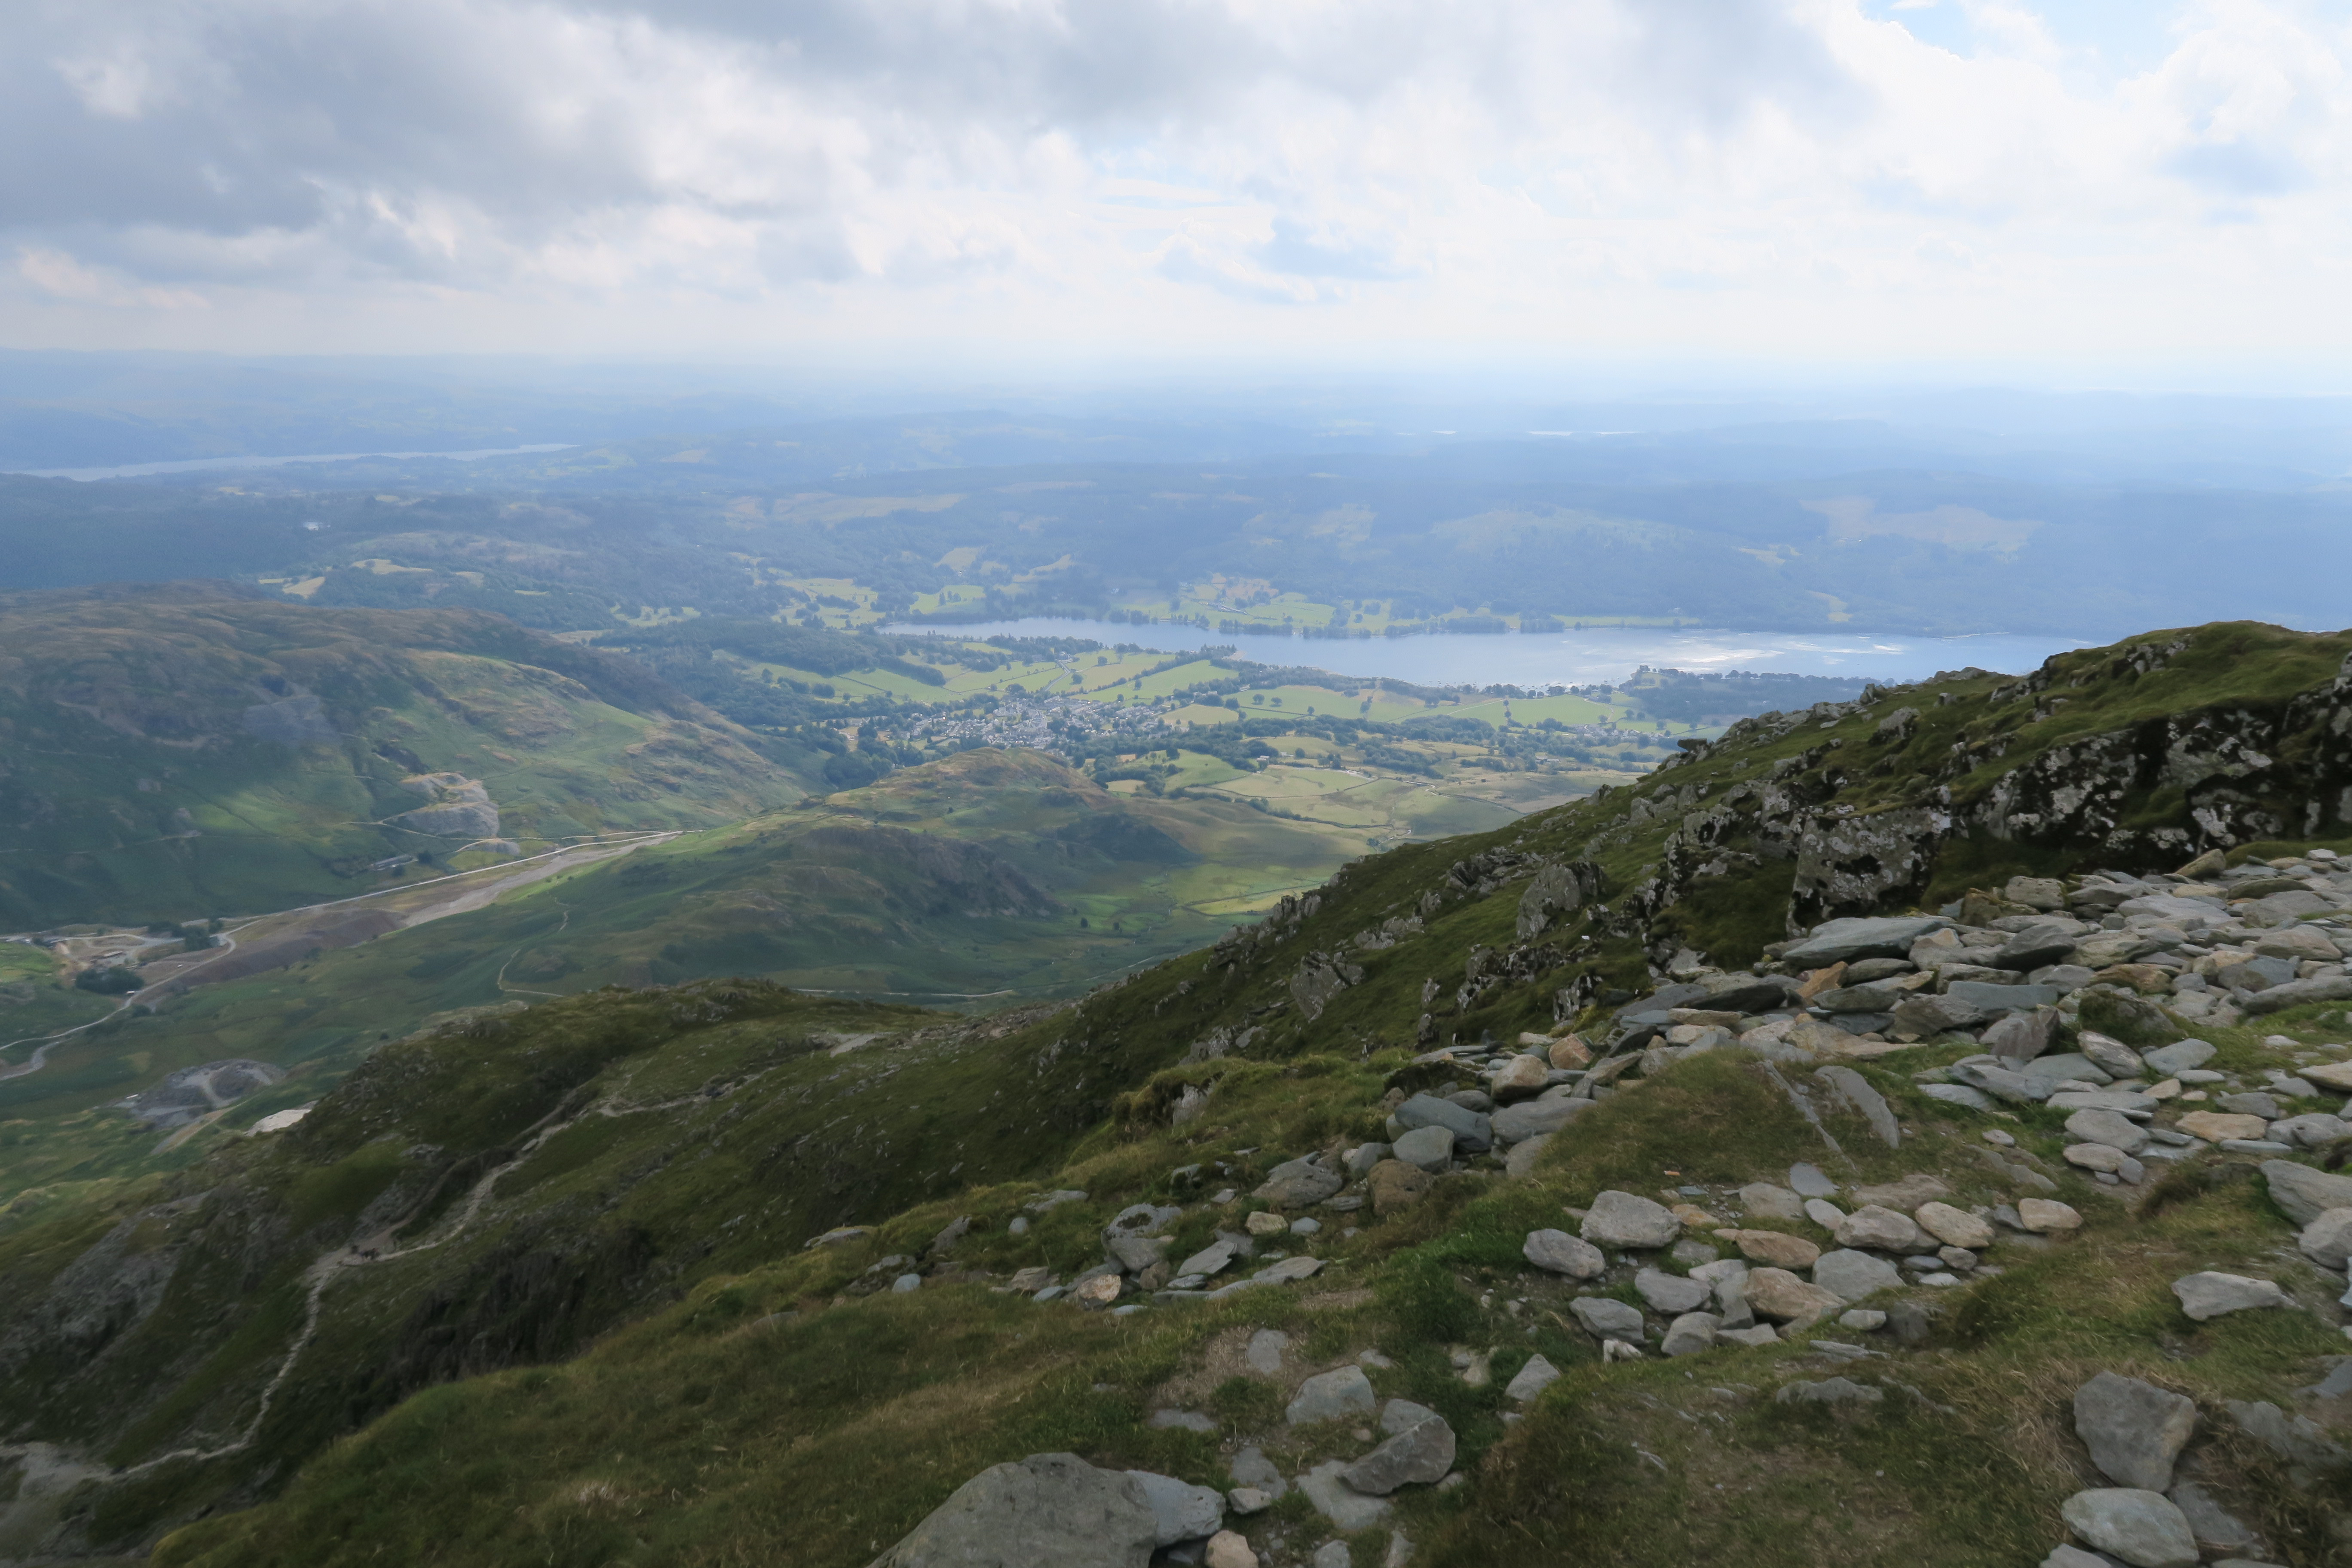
column 2011, row 1012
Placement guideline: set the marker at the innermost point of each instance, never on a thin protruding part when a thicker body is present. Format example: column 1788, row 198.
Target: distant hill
column 194, row 750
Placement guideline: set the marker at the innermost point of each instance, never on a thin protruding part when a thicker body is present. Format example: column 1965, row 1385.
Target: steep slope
column 184, row 752
column 812, row 1404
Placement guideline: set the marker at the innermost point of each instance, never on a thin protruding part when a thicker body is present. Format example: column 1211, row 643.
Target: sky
column 2106, row 188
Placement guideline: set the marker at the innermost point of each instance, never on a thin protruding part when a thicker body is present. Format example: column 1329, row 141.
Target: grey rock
column 1141, row 1219
column 2295, row 993
column 1856, row 1093
column 1765, row 1201
column 2328, row 1240
column 1471, row 1130
column 1184, row 1511
column 1331, row 1395
column 1335, row 1500
column 1958, row 1094
column 2113, row 1056
column 1925, row 1014
column 1135, row 1253
column 1811, row 1182
column 1749, row 1338
column 1999, row 1001
column 1855, row 1276
column 1836, row 942
column 1251, row 1468
column 1210, row 1259
column 2119, row 1099
column 2076, row 1557
column 1880, row 1229
column 2312, row 1130
column 2134, row 1430
column 2111, row 1127
column 2144, row 1529
column 1521, row 1162
column 1862, row 1320
column 2178, row 1057
column 1560, row 1253
column 1671, row 1293
column 1431, row 1148
column 1829, row 1391
column 1622, row 1219
column 1606, row 1319
column 1690, row 1333
column 1537, row 1117
column 1048, row 1511
column 2036, row 945
column 1331, row 1554
column 2211, row 1524
column 1361, row 1159
column 1299, row 1184
column 2001, row 1083
column 2022, row 1036
column 2211, row 1294
column 1531, row 1379
column 2248, row 1104
column 2067, row 1064
column 2298, row 1439
column 1824, row 1213
column 1420, row 1452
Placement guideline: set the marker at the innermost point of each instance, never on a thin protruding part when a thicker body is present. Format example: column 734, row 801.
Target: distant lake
column 195, row 465
column 1571, row 658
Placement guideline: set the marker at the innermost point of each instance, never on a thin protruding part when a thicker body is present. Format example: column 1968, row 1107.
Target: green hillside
column 987, row 879
column 564, row 1285
column 192, row 750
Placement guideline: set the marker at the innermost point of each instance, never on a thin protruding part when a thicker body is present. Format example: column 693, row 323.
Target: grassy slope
column 863, row 892
column 135, row 786
column 712, row 1431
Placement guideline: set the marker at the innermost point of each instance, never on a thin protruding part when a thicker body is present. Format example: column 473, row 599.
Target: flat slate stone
column 1841, row 940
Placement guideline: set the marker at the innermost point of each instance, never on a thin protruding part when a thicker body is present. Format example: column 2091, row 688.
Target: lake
column 1568, row 658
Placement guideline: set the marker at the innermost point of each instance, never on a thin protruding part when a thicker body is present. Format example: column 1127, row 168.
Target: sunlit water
column 1571, row 659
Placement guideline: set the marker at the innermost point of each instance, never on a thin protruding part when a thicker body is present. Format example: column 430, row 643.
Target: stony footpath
column 1850, row 1272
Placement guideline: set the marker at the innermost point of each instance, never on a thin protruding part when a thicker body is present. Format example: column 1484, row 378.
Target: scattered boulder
column 2211, row 1524
column 2022, row 1036
column 1622, row 1219
column 1519, row 1078
column 1841, row 941
column 2112, row 1054
column 2304, row 1193
column 1777, row 1293
column 1560, row 1253
column 2327, row 1239
column 2134, row 1430
column 1301, row 1183
column 2213, row 1126
column 1335, row 1500
column 1048, row 1511
column 1777, row 1248
column 2312, row 1130
column 1472, row 1129
column 1854, row 1276
column 1606, row 1319
column 1184, row 1511
column 1421, row 1450
column 2111, row 1127
column 1671, row 1293
column 1880, row 1229
column 1331, row 1395
column 1231, row 1549
column 2178, row 1057
column 1539, row 1117
column 2047, row 1217
column 1953, row 1226
column 1690, row 1333
column 1533, row 1379
column 1520, row 1163
column 1431, row 1148
column 2144, row 1527
column 2212, row 1295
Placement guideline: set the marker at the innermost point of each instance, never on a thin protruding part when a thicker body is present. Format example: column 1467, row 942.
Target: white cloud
column 1758, row 177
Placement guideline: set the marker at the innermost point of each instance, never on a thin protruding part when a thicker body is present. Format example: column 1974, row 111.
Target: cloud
column 1761, row 176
